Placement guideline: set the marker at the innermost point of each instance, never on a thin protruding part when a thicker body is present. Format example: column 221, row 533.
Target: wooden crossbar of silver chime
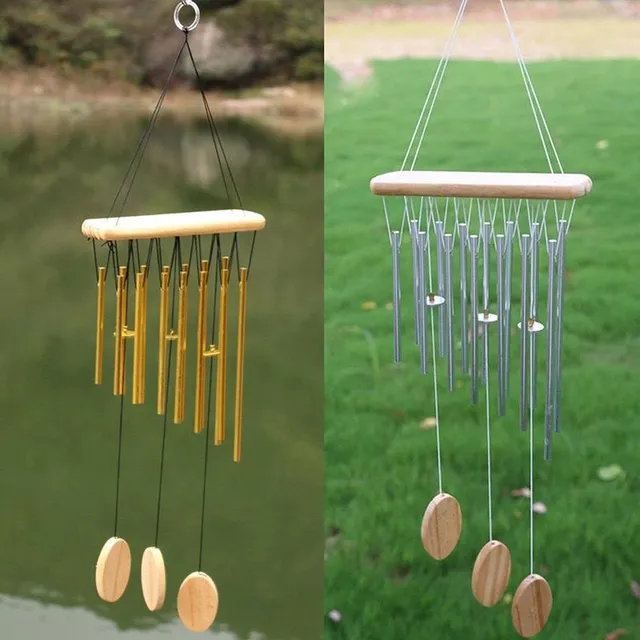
column 488, row 230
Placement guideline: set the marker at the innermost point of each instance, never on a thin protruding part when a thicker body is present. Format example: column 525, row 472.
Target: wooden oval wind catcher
column 191, row 262
column 474, row 237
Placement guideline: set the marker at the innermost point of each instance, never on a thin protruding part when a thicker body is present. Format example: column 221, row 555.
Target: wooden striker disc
column 531, row 606
column 491, row 573
column 197, row 601
column 154, row 578
column 113, row 569
column 441, row 526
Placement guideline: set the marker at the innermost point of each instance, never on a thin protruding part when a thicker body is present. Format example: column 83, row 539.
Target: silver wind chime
column 469, row 232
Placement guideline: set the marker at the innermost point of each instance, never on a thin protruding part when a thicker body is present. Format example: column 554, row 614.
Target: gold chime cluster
column 198, row 595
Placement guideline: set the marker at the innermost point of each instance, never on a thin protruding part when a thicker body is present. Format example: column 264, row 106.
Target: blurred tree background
column 239, row 43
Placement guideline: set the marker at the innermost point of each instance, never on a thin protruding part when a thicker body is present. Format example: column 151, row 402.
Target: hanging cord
column 138, row 155
column 531, row 511
column 207, row 442
column 121, row 420
column 435, row 87
column 436, row 404
column 223, row 162
column 541, row 124
column 173, row 270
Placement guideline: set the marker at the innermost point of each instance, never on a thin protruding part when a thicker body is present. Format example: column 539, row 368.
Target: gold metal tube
column 221, row 382
column 178, row 410
column 143, row 329
column 202, row 346
column 162, row 341
column 242, row 317
column 102, row 277
column 137, row 341
column 121, row 310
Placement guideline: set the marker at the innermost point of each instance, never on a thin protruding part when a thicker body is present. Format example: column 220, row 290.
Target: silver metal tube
column 448, row 273
column 463, row 233
column 395, row 269
column 549, row 400
column 422, row 342
column 524, row 333
column 561, row 251
column 508, row 279
column 439, row 228
column 500, row 313
column 486, row 266
column 413, row 226
column 473, row 250
column 535, row 259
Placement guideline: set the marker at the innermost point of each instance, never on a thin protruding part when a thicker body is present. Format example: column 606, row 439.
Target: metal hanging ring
column 196, row 19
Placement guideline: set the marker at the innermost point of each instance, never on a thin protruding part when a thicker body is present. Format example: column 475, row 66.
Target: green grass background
column 380, row 465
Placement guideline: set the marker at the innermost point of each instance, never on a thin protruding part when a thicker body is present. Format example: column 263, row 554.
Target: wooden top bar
column 169, row 225
column 469, row 184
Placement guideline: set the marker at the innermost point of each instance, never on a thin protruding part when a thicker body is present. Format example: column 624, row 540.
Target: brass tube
column 121, row 301
column 221, row 382
column 178, row 410
column 242, row 315
column 102, row 276
column 137, row 341
column 162, row 340
column 143, row 329
column 202, row 346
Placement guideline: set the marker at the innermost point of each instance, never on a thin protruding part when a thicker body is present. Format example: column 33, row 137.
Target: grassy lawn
column 381, row 465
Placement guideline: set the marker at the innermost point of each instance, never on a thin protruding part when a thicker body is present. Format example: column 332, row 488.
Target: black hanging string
column 173, row 273
column 207, row 443
column 121, row 422
column 144, row 139
column 215, row 134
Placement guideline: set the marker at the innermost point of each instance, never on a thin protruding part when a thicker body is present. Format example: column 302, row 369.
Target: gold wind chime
column 134, row 245
column 477, row 222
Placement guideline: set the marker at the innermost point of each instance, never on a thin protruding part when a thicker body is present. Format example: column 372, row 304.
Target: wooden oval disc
column 491, row 573
column 197, row 601
column 441, row 526
column 531, row 606
column 113, row 569
column 154, row 578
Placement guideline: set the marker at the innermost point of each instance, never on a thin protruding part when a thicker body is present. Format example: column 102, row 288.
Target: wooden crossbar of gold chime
column 198, row 592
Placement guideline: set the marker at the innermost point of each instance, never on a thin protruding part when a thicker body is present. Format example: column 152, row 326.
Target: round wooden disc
column 197, row 601
column 113, row 569
column 441, row 526
column 491, row 573
column 154, row 578
column 531, row 606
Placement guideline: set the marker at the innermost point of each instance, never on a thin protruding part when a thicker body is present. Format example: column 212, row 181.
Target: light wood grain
column 441, row 526
column 198, row 601
column 469, row 184
column 154, row 578
column 113, row 569
column 531, row 606
column 170, row 225
column 491, row 573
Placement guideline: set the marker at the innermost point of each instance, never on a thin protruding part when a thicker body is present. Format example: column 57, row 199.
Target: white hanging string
column 435, row 86
column 531, row 511
column 534, row 102
column 436, row 404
